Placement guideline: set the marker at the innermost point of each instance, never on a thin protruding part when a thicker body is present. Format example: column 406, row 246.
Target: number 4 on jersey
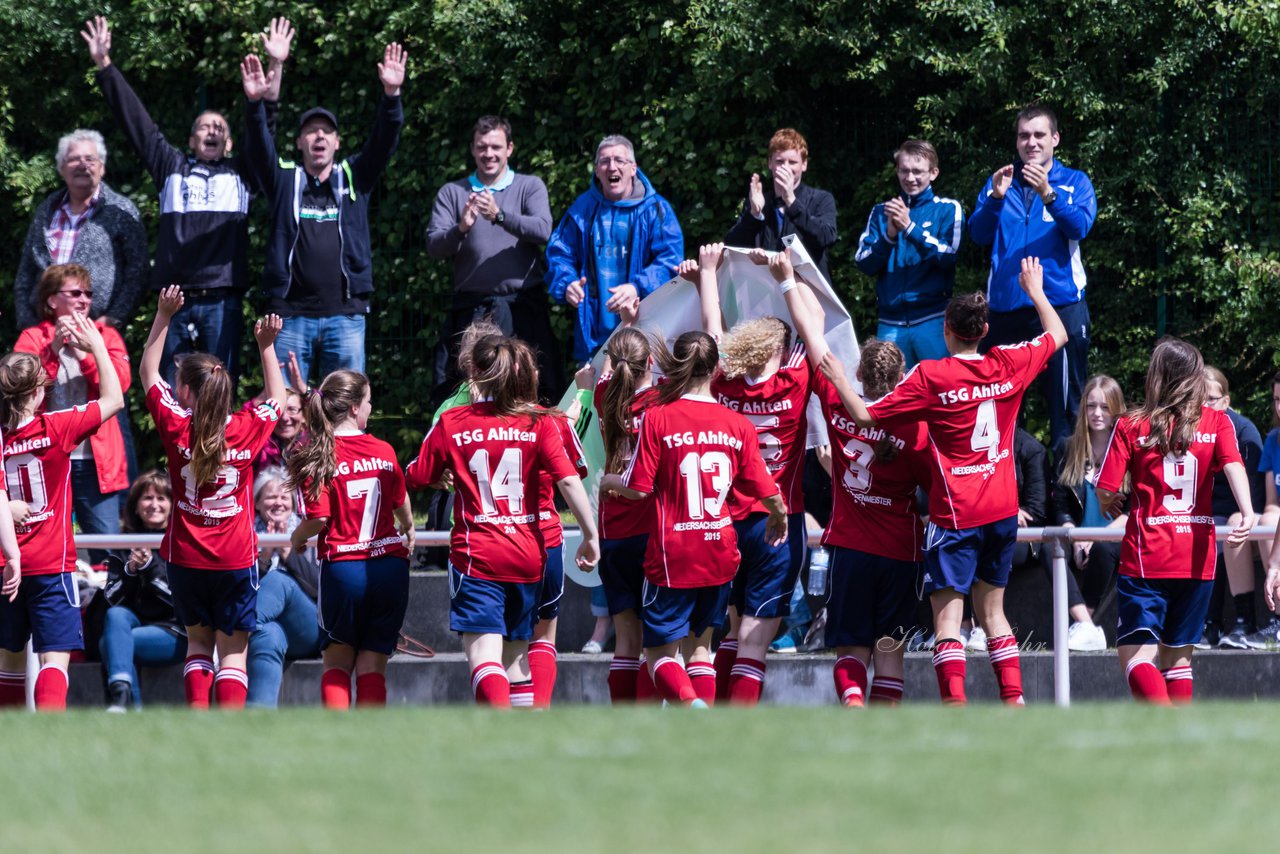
column 986, row 432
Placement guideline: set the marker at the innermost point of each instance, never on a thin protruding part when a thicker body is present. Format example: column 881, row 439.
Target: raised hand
column 391, row 69
column 84, row 333
column 277, row 39
column 585, row 377
column 780, row 266
column 266, row 330
column 170, row 301
column 256, row 84
column 710, row 255
column 296, row 379
column 1031, row 279
column 97, row 34
column 755, row 196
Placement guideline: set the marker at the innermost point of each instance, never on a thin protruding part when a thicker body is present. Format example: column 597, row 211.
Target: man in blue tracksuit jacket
column 618, row 242
column 910, row 246
column 1038, row 207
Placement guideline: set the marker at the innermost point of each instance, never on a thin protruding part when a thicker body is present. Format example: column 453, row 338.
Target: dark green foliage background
column 1170, row 106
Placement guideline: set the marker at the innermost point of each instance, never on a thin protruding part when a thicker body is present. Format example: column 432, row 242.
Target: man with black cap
column 318, row 274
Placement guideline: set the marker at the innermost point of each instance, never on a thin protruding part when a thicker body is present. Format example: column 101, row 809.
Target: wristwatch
column 1052, row 197
column 500, row 218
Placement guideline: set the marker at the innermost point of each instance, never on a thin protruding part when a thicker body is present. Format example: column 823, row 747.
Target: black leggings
column 1097, row 574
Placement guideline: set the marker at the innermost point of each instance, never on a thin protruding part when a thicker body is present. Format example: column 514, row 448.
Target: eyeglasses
column 76, row 293
column 613, row 161
column 86, row 159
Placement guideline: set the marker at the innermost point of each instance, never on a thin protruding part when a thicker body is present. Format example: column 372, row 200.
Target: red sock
column 51, row 689
column 231, row 687
column 746, row 682
column 335, row 689
column 851, row 681
column 522, row 695
column 371, row 690
column 886, row 691
column 623, row 673
column 1146, row 683
column 1003, row 652
column 490, row 686
column 197, row 678
column 726, row 655
column 948, row 661
column 703, row 677
column 542, row 665
column 646, row 691
column 13, row 688
column 672, row 682
column 1177, row 681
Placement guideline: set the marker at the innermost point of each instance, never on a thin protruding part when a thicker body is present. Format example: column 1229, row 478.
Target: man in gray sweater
column 493, row 224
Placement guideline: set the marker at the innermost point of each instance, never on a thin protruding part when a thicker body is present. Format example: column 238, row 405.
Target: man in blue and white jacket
column 617, row 244
column 910, row 246
column 1038, row 207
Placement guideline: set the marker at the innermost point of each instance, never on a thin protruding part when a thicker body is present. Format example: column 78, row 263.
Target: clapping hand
column 755, row 196
column 1001, row 180
column 898, row 216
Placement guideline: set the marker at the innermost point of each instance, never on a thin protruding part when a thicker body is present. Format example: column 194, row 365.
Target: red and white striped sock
column 1146, row 683
column 13, row 688
column 726, row 655
column 746, row 682
column 850, row 676
column 703, row 677
column 542, row 666
column 948, row 661
column 522, row 694
column 886, row 691
column 672, row 682
column 1003, row 652
column 197, row 679
column 51, row 689
column 623, row 672
column 646, row 691
column 335, row 689
column 371, row 690
column 490, row 686
column 1177, row 681
column 231, row 687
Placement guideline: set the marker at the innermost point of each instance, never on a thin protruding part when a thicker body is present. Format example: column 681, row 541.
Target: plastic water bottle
column 819, row 564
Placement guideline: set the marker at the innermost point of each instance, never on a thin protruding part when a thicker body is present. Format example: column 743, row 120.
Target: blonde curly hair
column 747, row 348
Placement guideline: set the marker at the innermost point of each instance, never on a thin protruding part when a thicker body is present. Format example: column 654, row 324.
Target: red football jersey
column 874, row 501
column 1170, row 529
column 548, row 517
column 360, row 502
column 621, row 517
column 969, row 406
column 776, row 408
column 691, row 452
column 211, row 526
column 37, row 470
column 496, row 463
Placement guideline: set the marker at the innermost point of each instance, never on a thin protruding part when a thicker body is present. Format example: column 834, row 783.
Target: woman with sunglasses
column 99, row 471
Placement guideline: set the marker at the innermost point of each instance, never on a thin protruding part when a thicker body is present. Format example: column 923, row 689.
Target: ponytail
column 314, row 464
column 692, row 357
column 210, row 388
column 629, row 351
column 505, row 371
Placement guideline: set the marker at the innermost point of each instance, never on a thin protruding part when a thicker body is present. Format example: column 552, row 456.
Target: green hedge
column 1170, row 106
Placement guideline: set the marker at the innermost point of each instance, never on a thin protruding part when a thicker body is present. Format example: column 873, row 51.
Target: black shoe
column 119, row 697
column 1210, row 636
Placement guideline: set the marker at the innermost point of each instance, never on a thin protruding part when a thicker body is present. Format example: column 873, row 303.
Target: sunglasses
column 77, row 293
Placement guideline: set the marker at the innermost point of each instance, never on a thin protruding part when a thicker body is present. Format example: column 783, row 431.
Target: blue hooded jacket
column 655, row 246
column 1015, row 230
column 916, row 273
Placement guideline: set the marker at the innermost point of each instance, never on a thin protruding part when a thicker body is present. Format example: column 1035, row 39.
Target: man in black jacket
column 787, row 206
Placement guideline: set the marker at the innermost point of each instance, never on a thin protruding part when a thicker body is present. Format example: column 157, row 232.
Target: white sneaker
column 1086, row 637
column 977, row 641
column 593, row 647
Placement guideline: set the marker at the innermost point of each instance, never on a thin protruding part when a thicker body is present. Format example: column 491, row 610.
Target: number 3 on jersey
column 504, row 483
column 986, row 432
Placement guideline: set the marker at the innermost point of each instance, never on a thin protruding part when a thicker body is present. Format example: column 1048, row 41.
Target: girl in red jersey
column 496, row 450
column 37, row 465
column 766, row 378
column 354, row 498
column 1171, row 446
column 690, row 453
column 624, row 391
column 210, row 546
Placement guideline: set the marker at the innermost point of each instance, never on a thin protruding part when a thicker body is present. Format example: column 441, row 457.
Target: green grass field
column 1093, row 778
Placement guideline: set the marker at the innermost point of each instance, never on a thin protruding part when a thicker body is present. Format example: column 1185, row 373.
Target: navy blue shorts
column 482, row 607
column 671, row 614
column 225, row 600
column 767, row 574
column 622, row 572
column 47, row 610
column 872, row 597
column 1170, row 611
column 954, row 559
column 552, row 585
column 362, row 602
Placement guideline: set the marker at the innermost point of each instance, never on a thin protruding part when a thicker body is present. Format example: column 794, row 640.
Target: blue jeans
column 599, row 602
column 918, row 341
column 126, row 643
column 329, row 342
column 210, row 324
column 97, row 513
column 287, row 627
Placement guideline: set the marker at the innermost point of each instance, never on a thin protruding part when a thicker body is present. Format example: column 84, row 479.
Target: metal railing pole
column 1059, row 539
